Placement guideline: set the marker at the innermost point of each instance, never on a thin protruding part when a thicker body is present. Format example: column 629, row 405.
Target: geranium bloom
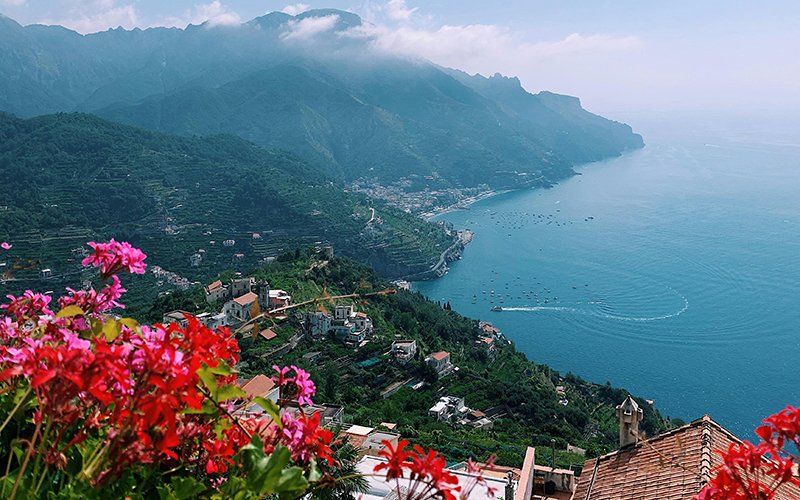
column 5, row 245
column 427, row 471
column 113, row 257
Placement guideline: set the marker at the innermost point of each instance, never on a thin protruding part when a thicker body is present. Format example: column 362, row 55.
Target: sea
column 672, row 271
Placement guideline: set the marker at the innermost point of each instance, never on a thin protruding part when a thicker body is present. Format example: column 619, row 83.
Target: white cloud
column 478, row 47
column 13, row 3
column 215, row 13
column 397, row 10
column 85, row 18
column 309, row 27
column 295, row 9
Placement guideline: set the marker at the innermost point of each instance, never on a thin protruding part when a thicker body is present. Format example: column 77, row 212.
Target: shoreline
column 464, row 204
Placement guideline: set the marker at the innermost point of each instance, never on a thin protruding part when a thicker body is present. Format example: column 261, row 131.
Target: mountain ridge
column 327, row 96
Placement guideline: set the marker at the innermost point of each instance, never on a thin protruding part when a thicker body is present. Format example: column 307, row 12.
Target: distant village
column 243, row 299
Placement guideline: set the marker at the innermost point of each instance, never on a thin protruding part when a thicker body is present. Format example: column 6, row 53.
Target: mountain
column 312, row 84
column 71, row 178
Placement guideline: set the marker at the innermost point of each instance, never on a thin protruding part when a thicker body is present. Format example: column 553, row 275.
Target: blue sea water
column 672, row 271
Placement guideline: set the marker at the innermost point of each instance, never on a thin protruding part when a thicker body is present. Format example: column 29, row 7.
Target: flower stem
column 13, row 412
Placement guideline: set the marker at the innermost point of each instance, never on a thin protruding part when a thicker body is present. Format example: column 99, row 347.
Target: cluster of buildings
column 170, row 277
column 346, row 324
column 241, row 299
column 402, row 194
column 452, row 409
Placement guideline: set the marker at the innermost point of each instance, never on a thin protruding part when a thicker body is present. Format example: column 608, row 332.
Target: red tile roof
column 673, row 465
column 214, row 285
column 260, row 385
column 361, row 315
column 440, row 355
column 246, row 299
column 268, row 334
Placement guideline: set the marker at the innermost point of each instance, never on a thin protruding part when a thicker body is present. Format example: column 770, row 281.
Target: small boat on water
column 496, row 309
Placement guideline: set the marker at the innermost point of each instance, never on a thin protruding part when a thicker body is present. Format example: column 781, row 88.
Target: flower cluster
column 123, row 396
column 299, row 386
column 93, row 397
column 426, row 472
column 759, row 471
column 114, row 257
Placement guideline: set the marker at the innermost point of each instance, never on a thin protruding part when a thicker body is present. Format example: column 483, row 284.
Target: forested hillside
column 70, row 178
column 502, row 382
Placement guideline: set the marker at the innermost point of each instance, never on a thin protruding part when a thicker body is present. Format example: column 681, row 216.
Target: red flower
column 396, row 459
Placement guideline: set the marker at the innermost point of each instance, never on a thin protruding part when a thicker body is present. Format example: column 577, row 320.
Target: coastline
column 464, row 204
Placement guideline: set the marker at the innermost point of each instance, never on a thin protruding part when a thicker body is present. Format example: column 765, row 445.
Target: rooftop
column 359, row 430
column 673, row 465
column 246, row 299
column 439, row 356
column 268, row 334
column 260, row 385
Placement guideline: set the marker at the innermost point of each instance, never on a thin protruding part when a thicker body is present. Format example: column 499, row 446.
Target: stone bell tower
column 629, row 415
column 262, row 288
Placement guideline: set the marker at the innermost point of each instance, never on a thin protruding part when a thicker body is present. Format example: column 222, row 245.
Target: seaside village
column 619, row 474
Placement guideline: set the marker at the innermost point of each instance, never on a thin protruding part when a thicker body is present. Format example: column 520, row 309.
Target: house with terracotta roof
column 673, row 465
column 239, row 308
column 440, row 361
column 215, row 292
column 267, row 334
column 260, row 386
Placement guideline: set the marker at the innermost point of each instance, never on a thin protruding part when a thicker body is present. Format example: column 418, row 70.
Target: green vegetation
column 506, row 383
column 178, row 196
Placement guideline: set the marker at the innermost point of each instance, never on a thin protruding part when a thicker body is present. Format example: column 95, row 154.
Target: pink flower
column 5, row 245
column 113, row 257
column 131, row 258
column 305, row 386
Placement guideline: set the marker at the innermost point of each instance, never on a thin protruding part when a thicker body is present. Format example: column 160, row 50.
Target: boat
column 496, row 309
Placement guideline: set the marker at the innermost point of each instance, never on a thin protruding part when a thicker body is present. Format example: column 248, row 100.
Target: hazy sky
column 616, row 55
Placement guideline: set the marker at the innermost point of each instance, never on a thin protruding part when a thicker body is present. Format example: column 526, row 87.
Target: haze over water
column 673, row 271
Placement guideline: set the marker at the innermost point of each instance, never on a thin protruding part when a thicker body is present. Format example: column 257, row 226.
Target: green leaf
column 272, row 409
column 181, row 488
column 291, row 482
column 130, row 323
column 208, row 408
column 221, row 369
column 111, row 330
column 70, row 311
column 227, row 392
column 209, row 380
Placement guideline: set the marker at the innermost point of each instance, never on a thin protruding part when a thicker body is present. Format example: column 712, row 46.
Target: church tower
column 629, row 415
column 262, row 288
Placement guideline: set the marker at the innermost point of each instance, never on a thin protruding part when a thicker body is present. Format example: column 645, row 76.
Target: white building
column 238, row 309
column 404, row 350
column 216, row 292
column 318, row 323
column 449, row 408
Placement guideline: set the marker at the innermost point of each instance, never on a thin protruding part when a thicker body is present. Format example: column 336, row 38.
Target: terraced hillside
column 69, row 178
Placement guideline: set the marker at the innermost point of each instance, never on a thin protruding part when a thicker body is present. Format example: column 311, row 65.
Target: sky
column 618, row 56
